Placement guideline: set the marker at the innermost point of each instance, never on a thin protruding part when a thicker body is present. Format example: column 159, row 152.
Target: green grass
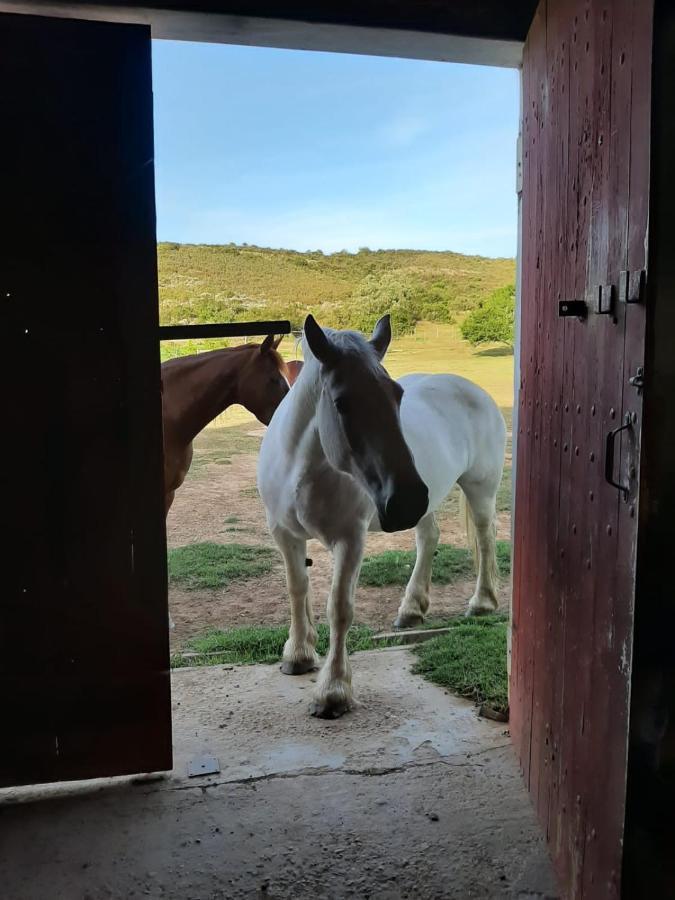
column 251, row 491
column 208, row 565
column 504, row 491
column 470, row 660
column 450, row 564
column 262, row 644
column 201, row 283
column 434, row 348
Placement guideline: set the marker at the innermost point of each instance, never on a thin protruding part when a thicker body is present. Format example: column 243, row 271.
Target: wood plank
column 523, row 612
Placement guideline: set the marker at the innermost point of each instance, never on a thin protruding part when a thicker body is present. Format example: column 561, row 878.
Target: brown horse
column 195, row 389
column 294, row 367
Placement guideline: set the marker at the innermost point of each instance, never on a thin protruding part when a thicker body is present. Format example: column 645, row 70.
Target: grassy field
column 450, row 563
column 434, row 349
column 210, row 565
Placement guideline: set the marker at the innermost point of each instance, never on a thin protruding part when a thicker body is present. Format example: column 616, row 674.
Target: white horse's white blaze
column 348, row 451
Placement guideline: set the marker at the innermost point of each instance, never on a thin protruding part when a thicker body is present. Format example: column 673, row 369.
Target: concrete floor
column 410, row 796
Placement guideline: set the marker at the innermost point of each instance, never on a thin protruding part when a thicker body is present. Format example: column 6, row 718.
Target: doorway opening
column 347, row 187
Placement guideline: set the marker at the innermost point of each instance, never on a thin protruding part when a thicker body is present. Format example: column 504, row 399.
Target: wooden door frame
column 649, row 866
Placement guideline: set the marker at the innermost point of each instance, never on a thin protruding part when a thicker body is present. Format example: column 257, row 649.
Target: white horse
column 350, row 450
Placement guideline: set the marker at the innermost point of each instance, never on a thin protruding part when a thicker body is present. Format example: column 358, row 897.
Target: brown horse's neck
column 196, row 389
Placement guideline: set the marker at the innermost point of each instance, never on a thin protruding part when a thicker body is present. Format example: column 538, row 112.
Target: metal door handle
column 609, row 460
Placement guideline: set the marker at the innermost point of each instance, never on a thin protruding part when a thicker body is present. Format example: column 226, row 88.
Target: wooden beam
column 480, row 33
column 222, row 330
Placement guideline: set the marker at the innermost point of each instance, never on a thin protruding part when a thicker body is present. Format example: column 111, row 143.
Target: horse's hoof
column 298, row 667
column 329, row 709
column 480, row 611
column 410, row 620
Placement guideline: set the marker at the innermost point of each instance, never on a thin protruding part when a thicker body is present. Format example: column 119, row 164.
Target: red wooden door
column 586, row 115
column 84, row 666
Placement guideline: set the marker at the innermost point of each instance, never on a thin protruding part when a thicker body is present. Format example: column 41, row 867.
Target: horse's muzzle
column 405, row 507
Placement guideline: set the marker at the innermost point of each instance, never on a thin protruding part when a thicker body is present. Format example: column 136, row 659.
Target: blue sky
column 328, row 151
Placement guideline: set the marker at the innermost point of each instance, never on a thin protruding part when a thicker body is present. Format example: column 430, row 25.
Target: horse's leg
column 415, row 601
column 299, row 654
column 333, row 694
column 481, row 497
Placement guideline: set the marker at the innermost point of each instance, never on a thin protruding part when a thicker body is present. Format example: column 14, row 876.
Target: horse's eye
column 342, row 405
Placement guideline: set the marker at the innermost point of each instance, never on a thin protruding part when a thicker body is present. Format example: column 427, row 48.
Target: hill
column 206, row 283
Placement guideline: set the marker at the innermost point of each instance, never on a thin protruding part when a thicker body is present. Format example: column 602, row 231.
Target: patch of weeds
column 217, row 446
column 449, row 565
column 263, row 644
column 470, row 660
column 208, row 565
column 250, row 492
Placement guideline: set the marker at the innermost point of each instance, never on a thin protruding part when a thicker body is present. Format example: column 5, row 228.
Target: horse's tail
column 491, row 566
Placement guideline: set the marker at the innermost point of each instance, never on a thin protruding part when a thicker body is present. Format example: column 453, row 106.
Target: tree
column 390, row 292
column 493, row 321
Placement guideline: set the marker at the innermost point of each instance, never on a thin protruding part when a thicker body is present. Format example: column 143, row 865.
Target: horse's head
column 263, row 381
column 359, row 421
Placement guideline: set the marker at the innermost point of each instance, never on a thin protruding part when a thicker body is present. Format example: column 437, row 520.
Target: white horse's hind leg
column 415, row 601
column 299, row 654
column 333, row 694
column 482, row 499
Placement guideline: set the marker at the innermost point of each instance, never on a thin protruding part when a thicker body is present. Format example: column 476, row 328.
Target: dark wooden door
column 84, row 663
column 586, row 117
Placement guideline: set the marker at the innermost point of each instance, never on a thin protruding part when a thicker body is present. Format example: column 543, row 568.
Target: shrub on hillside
column 376, row 295
column 493, row 321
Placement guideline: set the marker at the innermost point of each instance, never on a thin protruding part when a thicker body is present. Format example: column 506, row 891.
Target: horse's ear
column 318, row 343
column 381, row 336
column 267, row 344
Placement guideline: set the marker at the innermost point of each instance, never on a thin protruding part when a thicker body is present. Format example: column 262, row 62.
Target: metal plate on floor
column 203, row 765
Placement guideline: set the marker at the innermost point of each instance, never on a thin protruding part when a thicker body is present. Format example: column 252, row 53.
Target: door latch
column 638, row 380
column 573, row 308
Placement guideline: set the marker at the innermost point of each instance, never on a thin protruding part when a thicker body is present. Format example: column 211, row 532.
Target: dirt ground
column 409, row 797
column 219, row 502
